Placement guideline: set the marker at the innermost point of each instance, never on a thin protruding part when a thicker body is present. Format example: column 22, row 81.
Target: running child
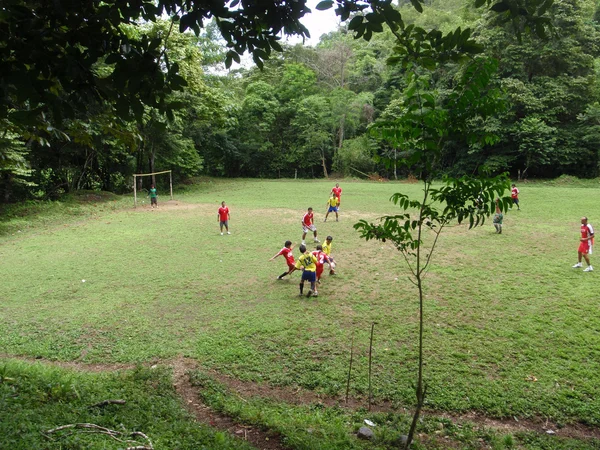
column 223, row 217
column 322, row 258
column 497, row 220
column 514, row 193
column 308, row 225
column 308, row 263
column 332, row 207
column 327, row 250
column 286, row 251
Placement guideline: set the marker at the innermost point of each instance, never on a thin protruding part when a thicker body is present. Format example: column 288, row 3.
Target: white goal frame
column 149, row 174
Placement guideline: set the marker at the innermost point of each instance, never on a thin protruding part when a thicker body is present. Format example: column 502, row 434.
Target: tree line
column 107, row 110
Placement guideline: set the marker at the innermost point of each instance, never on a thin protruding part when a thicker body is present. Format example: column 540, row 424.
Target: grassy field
column 511, row 329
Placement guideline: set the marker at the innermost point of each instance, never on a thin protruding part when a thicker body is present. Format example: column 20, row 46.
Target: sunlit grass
column 501, row 311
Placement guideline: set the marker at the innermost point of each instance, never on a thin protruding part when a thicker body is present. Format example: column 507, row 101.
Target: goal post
column 135, row 175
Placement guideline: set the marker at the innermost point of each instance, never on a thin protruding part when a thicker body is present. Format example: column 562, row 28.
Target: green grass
column 35, row 399
column 500, row 309
column 314, row 426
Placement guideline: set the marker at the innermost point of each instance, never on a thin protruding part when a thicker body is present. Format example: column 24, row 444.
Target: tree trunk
column 151, row 163
column 395, row 164
column 140, row 158
column 8, row 187
column 324, row 165
column 341, row 131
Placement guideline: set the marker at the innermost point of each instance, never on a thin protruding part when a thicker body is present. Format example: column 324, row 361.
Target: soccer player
column 308, row 225
column 322, row 258
column 223, row 217
column 514, row 193
column 332, row 207
column 153, row 197
column 286, row 251
column 585, row 244
column 327, row 251
column 498, row 218
column 308, row 263
column 337, row 191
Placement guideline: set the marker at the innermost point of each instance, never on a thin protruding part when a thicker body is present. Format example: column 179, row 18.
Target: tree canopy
column 92, row 92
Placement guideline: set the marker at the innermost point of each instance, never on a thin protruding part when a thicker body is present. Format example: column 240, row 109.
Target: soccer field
column 511, row 330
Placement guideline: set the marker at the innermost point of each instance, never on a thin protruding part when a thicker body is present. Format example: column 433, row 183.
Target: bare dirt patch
column 255, row 436
column 172, row 205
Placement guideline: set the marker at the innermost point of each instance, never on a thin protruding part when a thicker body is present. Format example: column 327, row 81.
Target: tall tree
column 549, row 82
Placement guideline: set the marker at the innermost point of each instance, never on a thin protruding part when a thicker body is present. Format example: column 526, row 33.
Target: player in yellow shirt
column 332, row 206
column 308, row 263
column 327, row 250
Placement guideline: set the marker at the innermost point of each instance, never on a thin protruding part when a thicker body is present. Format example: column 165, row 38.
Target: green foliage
column 355, row 155
column 198, row 121
column 552, row 81
column 536, row 141
column 37, row 398
column 14, row 166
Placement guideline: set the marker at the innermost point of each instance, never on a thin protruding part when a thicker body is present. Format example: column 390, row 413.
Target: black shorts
column 153, row 201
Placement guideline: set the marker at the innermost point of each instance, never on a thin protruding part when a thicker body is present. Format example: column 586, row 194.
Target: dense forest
column 310, row 111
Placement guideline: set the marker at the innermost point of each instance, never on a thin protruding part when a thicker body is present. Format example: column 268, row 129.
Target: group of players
column 312, row 263
column 586, row 241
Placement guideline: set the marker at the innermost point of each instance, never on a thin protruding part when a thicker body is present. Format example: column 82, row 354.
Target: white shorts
column 307, row 228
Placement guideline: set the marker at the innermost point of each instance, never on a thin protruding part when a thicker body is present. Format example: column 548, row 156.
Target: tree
column 312, row 121
column 536, row 143
column 14, row 168
column 422, row 130
column 551, row 82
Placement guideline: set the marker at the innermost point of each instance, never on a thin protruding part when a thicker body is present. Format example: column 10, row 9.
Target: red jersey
column 514, row 193
column 587, row 231
column 320, row 257
column 287, row 254
column 223, row 214
column 307, row 219
column 337, row 191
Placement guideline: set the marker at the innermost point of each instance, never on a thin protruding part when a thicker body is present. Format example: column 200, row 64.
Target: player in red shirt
column 308, row 225
column 223, row 218
column 322, row 258
column 337, row 191
column 286, row 251
column 585, row 244
column 514, row 193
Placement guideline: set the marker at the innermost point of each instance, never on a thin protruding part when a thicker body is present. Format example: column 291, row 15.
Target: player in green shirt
column 153, row 196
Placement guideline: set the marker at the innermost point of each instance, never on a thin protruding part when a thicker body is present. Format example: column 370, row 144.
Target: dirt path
column 204, row 414
column 270, row 441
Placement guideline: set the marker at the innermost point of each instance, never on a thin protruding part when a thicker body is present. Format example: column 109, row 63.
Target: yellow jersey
column 309, row 261
column 332, row 202
column 327, row 248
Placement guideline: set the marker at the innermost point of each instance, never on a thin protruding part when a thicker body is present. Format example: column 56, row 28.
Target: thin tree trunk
column 140, row 165
column 324, row 165
column 151, row 161
column 341, row 131
column 420, row 390
column 88, row 158
column 8, row 187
